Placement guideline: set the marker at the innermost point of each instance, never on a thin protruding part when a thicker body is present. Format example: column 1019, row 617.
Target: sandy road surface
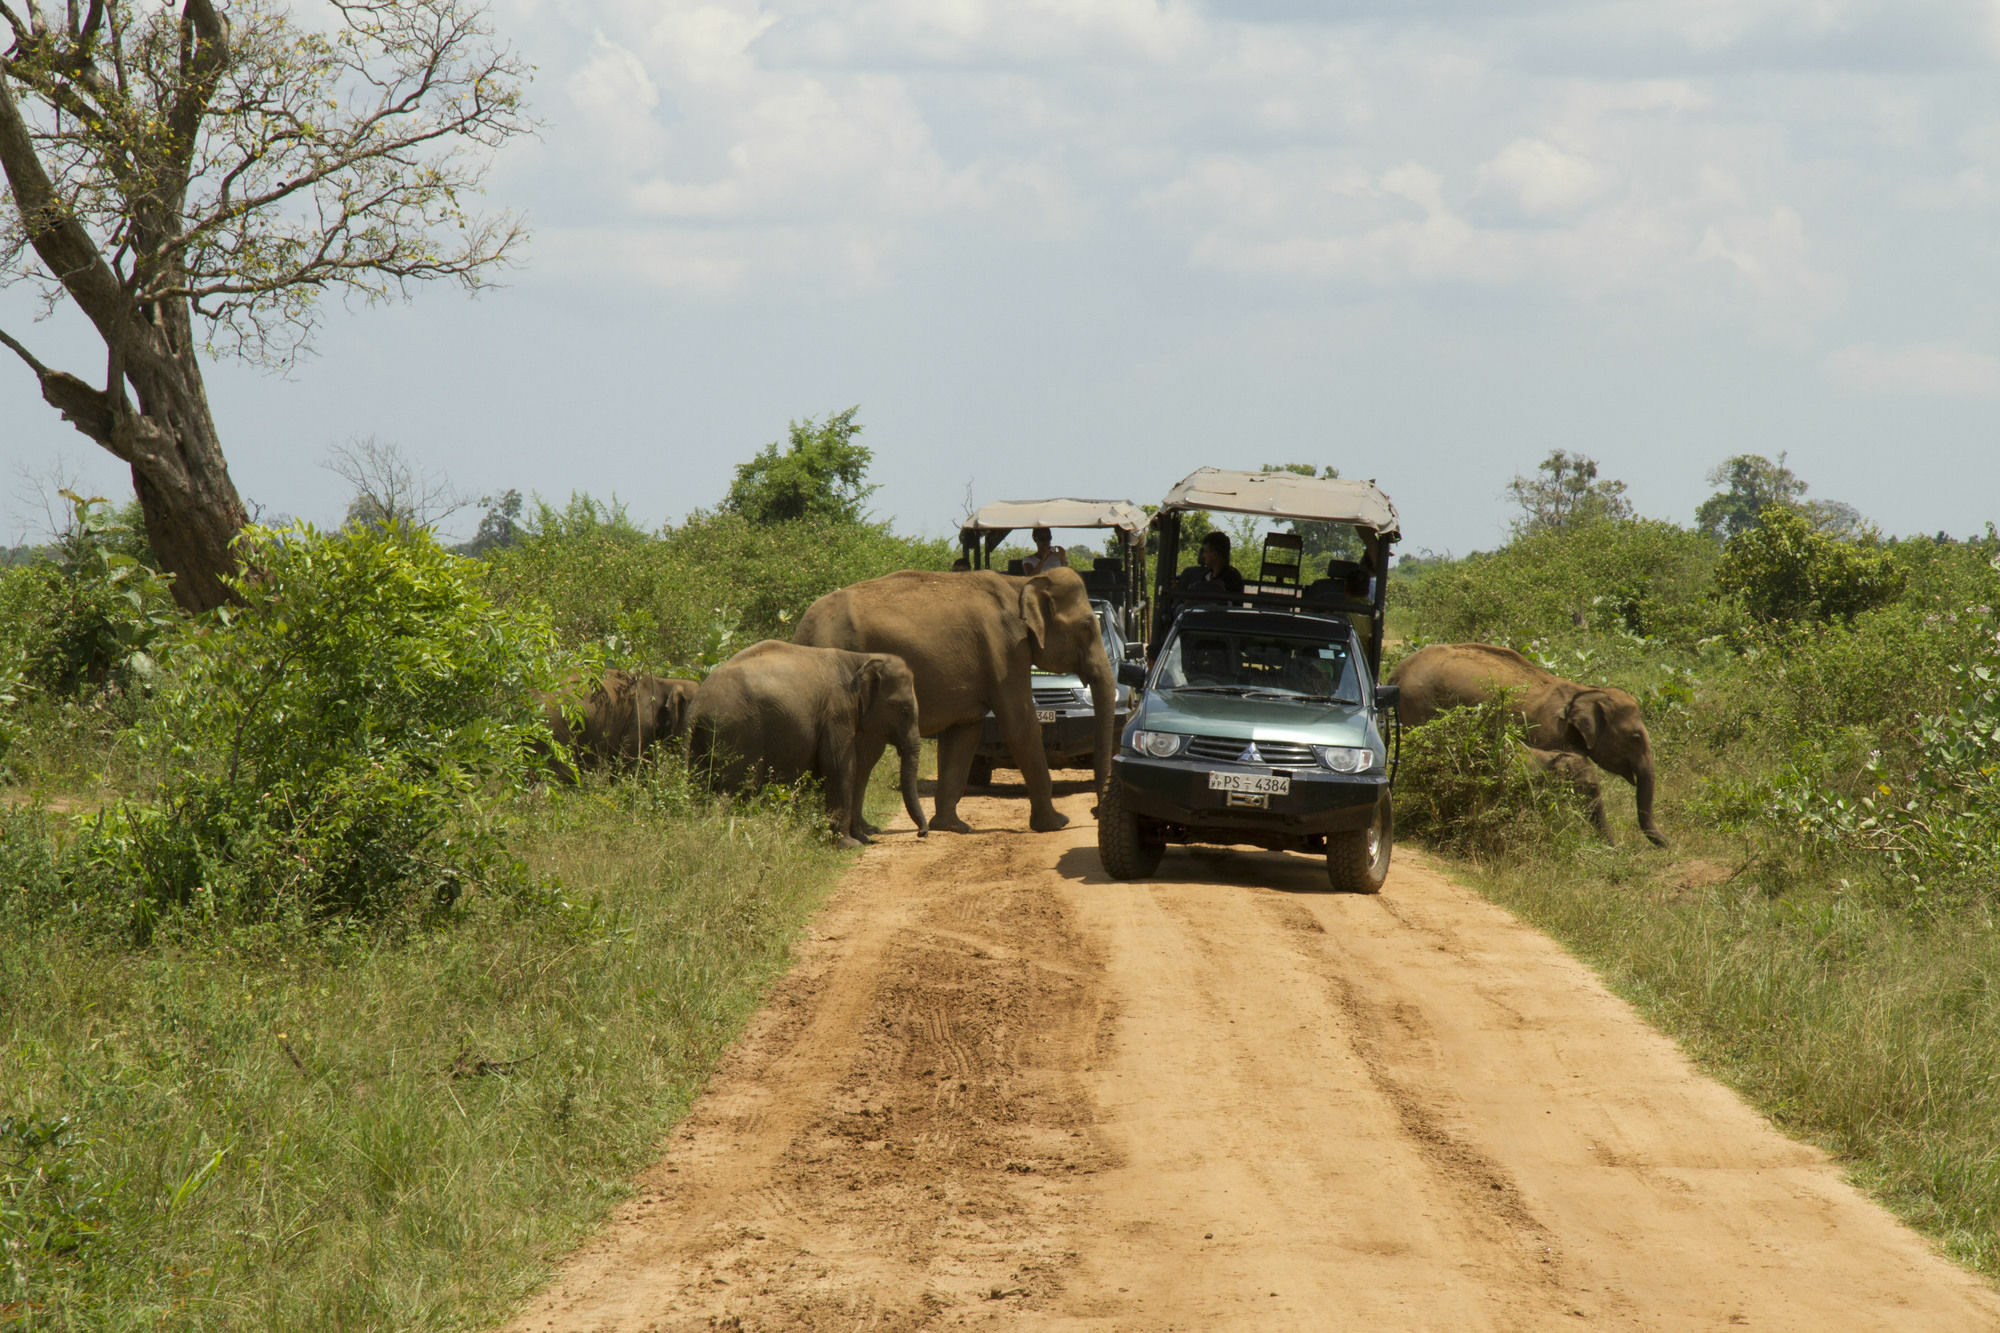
column 1001, row 1090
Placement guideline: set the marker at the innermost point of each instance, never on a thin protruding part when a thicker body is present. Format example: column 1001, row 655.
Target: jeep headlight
column 1346, row 758
column 1158, row 744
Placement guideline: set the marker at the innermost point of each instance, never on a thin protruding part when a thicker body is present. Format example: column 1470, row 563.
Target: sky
column 1082, row 247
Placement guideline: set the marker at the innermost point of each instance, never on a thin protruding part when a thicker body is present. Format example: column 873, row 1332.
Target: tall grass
column 277, row 1131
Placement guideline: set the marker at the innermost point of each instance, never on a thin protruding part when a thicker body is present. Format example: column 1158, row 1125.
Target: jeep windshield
column 1217, row 660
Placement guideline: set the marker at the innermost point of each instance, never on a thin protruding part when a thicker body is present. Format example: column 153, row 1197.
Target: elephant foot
column 1654, row 837
column 847, row 840
column 1048, row 822
column 950, row 823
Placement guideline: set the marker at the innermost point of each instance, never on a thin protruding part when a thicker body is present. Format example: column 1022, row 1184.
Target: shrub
column 682, row 601
column 87, row 613
column 1640, row 577
column 1787, row 569
column 331, row 739
column 1930, row 817
column 1467, row 786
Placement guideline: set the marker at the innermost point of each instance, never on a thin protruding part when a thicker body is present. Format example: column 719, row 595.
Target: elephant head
column 885, row 707
column 1064, row 636
column 1606, row 724
column 660, row 704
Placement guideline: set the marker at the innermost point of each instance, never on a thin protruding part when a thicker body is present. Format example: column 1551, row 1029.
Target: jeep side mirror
column 1387, row 695
column 1133, row 674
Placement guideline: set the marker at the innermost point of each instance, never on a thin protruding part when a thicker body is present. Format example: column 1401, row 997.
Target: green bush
column 86, row 614
column 1633, row 576
column 1787, row 569
column 1467, row 786
column 330, row 741
column 1930, row 815
column 686, row 599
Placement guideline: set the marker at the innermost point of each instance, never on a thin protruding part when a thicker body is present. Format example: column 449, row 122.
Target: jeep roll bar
column 1361, row 505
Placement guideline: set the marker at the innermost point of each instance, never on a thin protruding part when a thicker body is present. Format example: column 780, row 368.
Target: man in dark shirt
column 1214, row 575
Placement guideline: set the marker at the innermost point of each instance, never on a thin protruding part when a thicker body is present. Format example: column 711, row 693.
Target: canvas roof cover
column 1287, row 495
column 1008, row 515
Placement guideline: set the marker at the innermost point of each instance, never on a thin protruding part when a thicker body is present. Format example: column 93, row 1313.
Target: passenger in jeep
column 1214, row 576
column 1047, row 555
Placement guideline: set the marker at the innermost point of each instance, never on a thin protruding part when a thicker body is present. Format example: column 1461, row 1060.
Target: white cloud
column 615, row 99
column 1925, row 370
column 1542, row 179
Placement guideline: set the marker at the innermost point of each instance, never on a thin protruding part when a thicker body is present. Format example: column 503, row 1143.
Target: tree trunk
column 191, row 507
column 169, row 441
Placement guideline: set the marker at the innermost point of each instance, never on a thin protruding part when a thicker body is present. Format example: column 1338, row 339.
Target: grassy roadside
column 360, row 1133
column 1862, row 1025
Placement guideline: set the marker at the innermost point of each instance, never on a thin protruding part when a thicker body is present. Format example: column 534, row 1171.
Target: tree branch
column 64, row 246
column 82, row 406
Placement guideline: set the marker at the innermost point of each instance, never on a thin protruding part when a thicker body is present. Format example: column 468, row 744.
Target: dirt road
column 1000, row 1090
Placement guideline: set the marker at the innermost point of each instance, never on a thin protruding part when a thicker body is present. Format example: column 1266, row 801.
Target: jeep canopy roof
column 1287, row 495
column 1005, row 516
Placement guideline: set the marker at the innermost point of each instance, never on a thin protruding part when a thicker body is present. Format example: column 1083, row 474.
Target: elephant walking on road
column 972, row 641
column 1599, row 722
column 777, row 712
column 624, row 715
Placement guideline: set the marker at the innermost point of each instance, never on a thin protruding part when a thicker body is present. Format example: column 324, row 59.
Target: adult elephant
column 777, row 712
column 972, row 639
column 624, row 714
column 1600, row 722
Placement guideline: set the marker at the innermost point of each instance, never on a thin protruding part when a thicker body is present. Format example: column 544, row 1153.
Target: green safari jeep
column 1258, row 718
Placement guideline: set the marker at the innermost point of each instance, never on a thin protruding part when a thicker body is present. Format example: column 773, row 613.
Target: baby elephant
column 624, row 715
column 776, row 712
column 1581, row 776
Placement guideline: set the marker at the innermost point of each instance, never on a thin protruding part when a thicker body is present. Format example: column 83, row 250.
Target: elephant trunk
column 1642, row 780
column 910, row 753
column 1104, row 711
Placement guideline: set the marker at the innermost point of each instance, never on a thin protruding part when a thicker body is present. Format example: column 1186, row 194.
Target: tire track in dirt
column 1426, row 1111
column 1001, row 1090
column 880, row 1147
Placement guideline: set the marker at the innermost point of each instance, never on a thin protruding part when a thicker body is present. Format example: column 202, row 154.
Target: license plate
column 1045, row 715
column 1261, row 784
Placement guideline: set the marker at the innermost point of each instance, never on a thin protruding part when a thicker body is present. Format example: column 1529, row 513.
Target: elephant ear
column 1037, row 609
column 868, row 682
column 1585, row 716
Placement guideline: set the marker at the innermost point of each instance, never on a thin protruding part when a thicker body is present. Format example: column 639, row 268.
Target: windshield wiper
column 1303, row 698
column 1213, row 689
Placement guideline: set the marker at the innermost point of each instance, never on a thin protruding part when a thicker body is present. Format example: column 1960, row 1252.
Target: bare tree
column 194, row 176
column 390, row 488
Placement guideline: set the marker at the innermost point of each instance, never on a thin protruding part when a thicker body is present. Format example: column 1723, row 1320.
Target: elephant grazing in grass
column 1599, row 722
column 622, row 717
column 777, row 712
column 972, row 641
column 1581, row 777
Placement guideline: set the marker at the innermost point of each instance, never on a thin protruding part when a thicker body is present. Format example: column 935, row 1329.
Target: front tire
column 1128, row 849
column 1358, row 862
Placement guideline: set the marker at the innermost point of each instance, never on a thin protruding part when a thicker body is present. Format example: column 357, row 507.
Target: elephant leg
column 955, row 748
column 867, row 752
column 1024, row 742
column 835, row 762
